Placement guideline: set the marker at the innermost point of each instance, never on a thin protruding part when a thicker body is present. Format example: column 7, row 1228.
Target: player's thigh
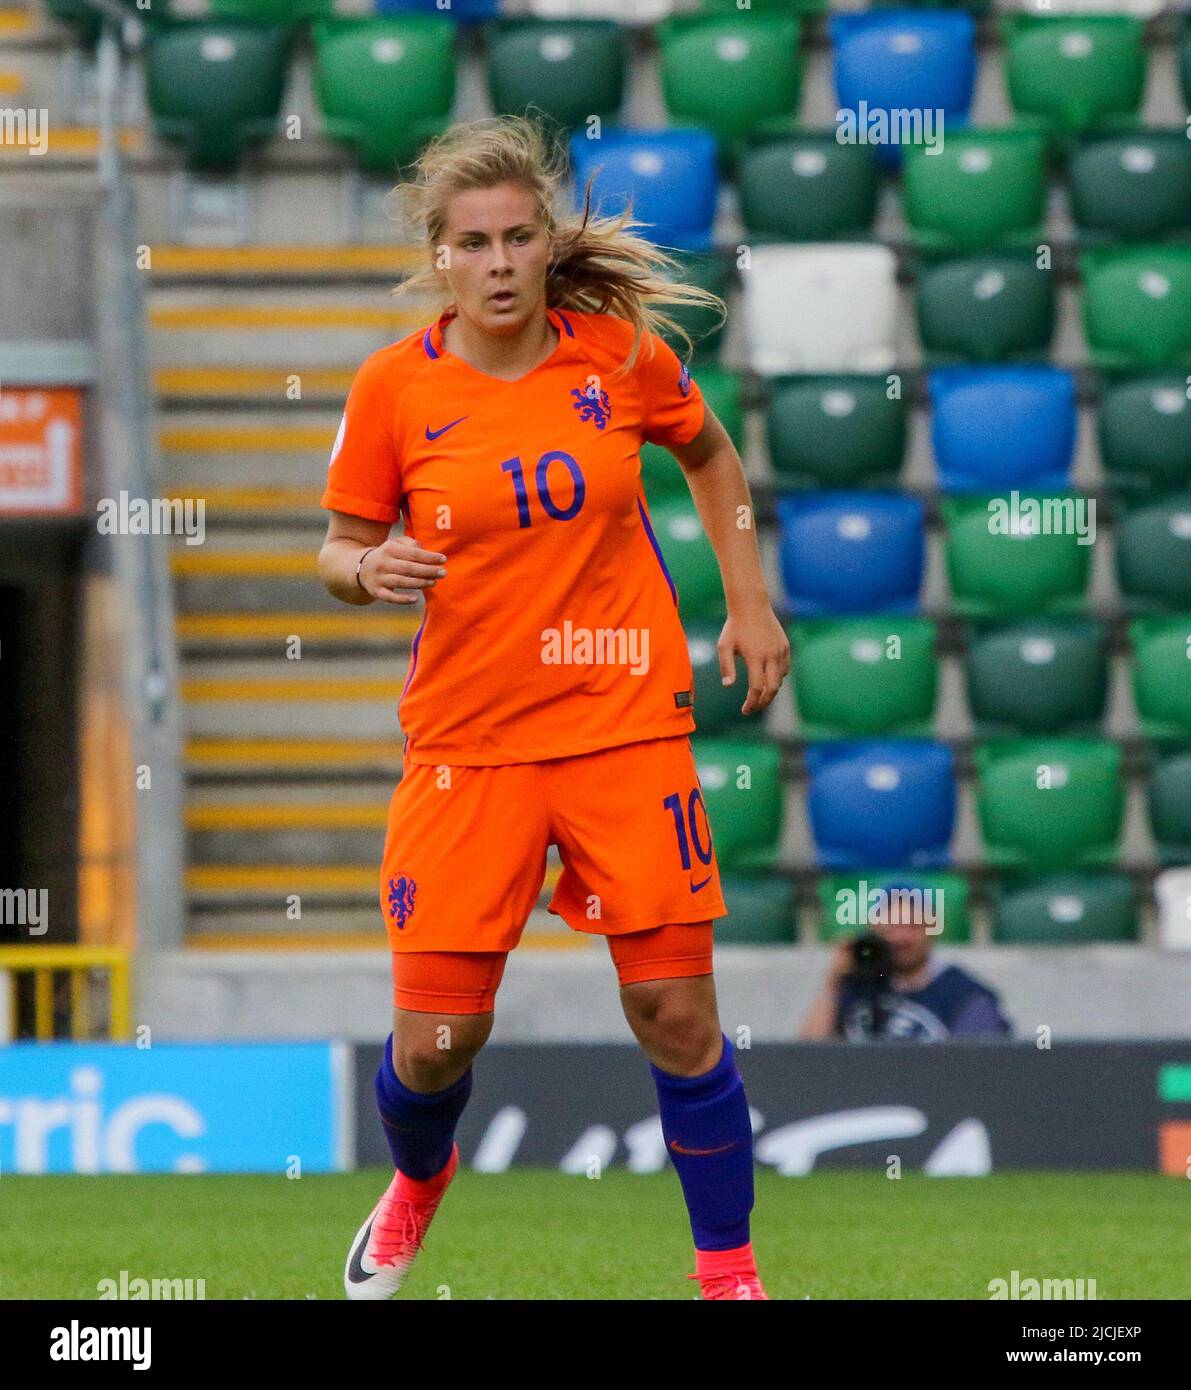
column 464, row 858
column 634, row 838
column 443, row 1009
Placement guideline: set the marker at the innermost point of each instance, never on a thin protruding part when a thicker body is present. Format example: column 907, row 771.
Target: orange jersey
column 555, row 631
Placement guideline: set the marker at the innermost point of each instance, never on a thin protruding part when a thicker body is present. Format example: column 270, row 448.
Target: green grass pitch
column 536, row 1234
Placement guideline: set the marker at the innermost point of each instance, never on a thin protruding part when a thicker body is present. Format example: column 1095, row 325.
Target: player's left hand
column 758, row 637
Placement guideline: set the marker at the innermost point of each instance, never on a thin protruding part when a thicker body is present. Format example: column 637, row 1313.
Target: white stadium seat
column 630, row 12
column 821, row 308
column 1135, row 9
column 1173, row 891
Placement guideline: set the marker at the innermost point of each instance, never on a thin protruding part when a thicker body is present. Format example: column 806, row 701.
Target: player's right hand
column 841, row 965
column 399, row 570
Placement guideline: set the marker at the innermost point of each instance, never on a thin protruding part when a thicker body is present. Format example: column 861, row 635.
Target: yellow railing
column 43, row 963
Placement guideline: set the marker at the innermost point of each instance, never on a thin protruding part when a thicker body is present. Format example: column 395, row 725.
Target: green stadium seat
column 1038, row 677
column 1065, row 910
column 982, row 190
column 847, row 897
column 1133, row 187
column 1162, row 676
column 855, row 677
column 761, row 912
column 1153, row 544
column 704, row 327
column 985, row 308
column 1075, row 72
column 736, row 75
column 689, row 557
column 835, row 432
column 569, row 69
column 1137, row 307
column 742, row 790
column 1019, row 569
column 807, row 187
column 1144, row 429
column 717, row 706
column 1170, row 808
column 385, row 86
column 1050, row 804
column 273, row 11
column 780, row 7
column 660, row 470
column 216, row 87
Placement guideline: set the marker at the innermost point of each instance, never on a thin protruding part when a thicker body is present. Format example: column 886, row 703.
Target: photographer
column 887, row 983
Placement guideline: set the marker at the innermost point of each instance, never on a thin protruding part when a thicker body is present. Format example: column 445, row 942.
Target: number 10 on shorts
column 686, row 826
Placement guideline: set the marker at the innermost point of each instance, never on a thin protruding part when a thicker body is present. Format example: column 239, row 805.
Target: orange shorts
column 465, row 849
column 465, row 982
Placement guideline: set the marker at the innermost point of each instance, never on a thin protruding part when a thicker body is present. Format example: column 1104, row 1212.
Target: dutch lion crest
column 402, row 892
column 593, row 404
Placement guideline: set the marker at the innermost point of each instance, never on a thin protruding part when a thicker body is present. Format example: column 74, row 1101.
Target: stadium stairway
column 292, row 744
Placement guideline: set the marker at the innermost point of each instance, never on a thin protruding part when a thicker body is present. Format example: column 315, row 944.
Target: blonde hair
column 598, row 265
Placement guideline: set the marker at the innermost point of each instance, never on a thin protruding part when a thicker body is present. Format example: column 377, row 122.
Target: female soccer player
column 549, row 694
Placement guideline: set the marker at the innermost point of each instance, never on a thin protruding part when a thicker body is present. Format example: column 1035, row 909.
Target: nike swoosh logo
column 434, row 434
column 356, row 1271
column 700, row 1153
column 696, row 886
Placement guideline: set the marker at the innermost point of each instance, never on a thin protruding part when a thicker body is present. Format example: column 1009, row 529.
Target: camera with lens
column 871, row 974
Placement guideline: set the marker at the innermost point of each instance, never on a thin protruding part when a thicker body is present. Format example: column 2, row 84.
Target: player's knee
column 429, row 1059
column 674, row 1024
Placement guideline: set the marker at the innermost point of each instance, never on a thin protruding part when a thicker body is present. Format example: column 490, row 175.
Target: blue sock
column 702, row 1113
column 420, row 1127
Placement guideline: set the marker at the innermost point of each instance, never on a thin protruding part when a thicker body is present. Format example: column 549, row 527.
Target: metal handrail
column 121, row 26
column 132, row 465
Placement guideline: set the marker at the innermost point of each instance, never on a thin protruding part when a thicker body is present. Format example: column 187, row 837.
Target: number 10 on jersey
column 542, row 484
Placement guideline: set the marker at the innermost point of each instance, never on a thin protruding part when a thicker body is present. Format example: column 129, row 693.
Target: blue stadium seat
column 469, row 11
column 1003, row 427
column 903, row 60
column 886, row 804
column 669, row 176
column 851, row 552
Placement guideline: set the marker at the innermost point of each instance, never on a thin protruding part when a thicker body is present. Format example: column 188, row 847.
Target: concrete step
column 263, row 634
column 236, row 848
column 223, row 760
column 266, row 593
column 268, row 462
column 69, row 146
column 296, row 264
column 314, row 698
column 248, row 507
column 259, row 569
column 186, row 436
column 233, row 381
column 293, row 329
column 274, row 882
column 18, row 23
column 285, row 824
